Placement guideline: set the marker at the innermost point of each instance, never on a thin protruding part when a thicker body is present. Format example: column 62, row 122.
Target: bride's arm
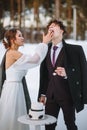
column 28, row 61
column 39, row 55
column 41, row 49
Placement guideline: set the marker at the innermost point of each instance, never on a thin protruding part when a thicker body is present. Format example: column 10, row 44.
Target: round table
column 36, row 124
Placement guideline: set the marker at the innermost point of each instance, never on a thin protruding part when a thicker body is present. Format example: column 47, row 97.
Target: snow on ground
column 32, row 78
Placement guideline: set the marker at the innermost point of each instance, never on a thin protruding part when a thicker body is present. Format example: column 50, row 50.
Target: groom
column 63, row 84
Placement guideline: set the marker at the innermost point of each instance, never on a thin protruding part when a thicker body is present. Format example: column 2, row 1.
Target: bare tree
column 12, row 11
column 36, row 11
column 57, row 9
column 19, row 12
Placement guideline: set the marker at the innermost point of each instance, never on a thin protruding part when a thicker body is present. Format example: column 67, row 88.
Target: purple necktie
column 53, row 57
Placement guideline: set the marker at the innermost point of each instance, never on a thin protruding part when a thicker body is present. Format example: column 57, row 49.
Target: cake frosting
column 36, row 111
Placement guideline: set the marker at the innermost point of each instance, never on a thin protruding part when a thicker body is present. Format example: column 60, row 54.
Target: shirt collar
column 59, row 45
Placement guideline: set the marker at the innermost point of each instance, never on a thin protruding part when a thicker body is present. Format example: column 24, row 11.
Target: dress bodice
column 15, row 75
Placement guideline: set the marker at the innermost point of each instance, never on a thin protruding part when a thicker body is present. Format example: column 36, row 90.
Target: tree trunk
column 36, row 12
column 19, row 12
column 23, row 10
column 12, row 12
column 57, row 9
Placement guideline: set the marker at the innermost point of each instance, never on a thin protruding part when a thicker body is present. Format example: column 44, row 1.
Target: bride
column 12, row 102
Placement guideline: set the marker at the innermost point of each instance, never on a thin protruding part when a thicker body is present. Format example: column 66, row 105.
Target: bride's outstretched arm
column 30, row 61
column 41, row 49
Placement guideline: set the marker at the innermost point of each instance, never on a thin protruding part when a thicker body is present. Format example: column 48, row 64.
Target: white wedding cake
column 37, row 111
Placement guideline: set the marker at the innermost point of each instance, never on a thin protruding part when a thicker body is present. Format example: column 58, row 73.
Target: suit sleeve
column 43, row 79
column 84, row 75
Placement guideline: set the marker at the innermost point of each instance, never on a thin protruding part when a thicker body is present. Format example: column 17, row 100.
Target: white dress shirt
column 59, row 45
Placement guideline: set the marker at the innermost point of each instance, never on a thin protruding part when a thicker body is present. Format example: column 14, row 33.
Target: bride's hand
column 48, row 37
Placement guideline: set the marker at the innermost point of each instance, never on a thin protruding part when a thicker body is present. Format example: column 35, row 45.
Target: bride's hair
column 8, row 36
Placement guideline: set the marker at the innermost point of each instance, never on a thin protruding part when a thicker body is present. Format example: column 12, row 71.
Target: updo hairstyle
column 8, row 36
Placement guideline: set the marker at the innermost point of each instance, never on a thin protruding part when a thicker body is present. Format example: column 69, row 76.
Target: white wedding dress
column 12, row 101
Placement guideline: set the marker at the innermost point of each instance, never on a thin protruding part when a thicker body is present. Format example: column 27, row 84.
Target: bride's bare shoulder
column 11, row 57
column 14, row 54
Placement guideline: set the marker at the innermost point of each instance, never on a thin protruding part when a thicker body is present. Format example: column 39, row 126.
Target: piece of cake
column 37, row 111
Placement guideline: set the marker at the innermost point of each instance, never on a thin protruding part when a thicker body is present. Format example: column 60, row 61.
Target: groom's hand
column 43, row 99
